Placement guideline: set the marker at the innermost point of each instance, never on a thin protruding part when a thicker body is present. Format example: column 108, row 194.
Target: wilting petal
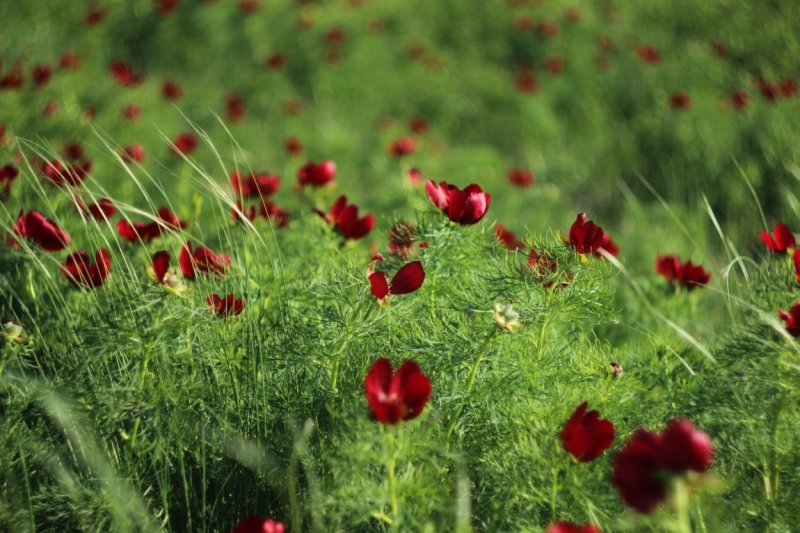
column 408, row 279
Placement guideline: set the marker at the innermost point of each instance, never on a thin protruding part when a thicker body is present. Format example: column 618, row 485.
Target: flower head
column 465, row 207
column 406, row 280
column 587, row 237
column 526, row 82
column 124, row 74
column 225, row 307
column 254, row 524
column 687, row 274
column 401, row 238
column 255, row 184
column 82, row 273
column 103, row 209
column 70, row 61
column 648, row 54
column 316, row 174
column 275, row 61
column 172, row 90
column 235, row 106
column 34, row 227
column 397, row 397
column 782, row 239
column 201, row 261
column 586, row 436
column 168, row 278
column 185, row 143
column 418, row 125
column 520, row 177
column 345, row 219
column 8, row 174
column 740, row 99
column 277, row 215
column 569, row 527
column 402, row 147
column 67, row 176
column 41, row 75
column 680, row 100
column 507, row 238
column 293, row 145
column 792, row 319
column 506, row 317
column 134, row 152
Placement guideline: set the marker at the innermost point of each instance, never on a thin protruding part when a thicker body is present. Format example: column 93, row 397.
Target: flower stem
column 390, row 465
column 681, row 494
column 774, row 471
column 473, row 373
column 540, row 342
column 142, row 376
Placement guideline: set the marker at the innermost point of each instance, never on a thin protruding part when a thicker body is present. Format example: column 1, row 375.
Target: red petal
column 186, row 262
column 376, row 387
column 438, row 194
column 412, row 387
column 768, row 242
column 161, row 264
column 379, row 285
column 362, row 227
column 783, row 237
column 408, row 279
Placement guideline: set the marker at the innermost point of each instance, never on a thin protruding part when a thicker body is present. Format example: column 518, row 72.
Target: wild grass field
column 383, row 265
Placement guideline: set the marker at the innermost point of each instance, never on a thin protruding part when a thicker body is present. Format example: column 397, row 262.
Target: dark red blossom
column 132, row 112
column 169, row 220
column 15, row 79
column 414, row 176
column 34, row 227
column 275, row 61
column 94, row 16
column 293, row 145
column 345, row 219
column 336, row 36
column 554, row 64
column 740, row 99
column 526, row 82
column 548, row 28
column 165, row 7
column 202, row 261
column 74, row 151
column 648, row 54
column 51, row 108
column 543, row 266
column 8, row 174
column 82, row 273
column 782, row 241
column 41, row 75
column 792, row 319
column 788, row 88
column 235, row 107
column 680, row 100
column 796, row 261
column 397, row 397
column 101, row 210
column 687, row 274
column 520, row 177
column 719, row 50
column 293, row 107
column 408, row 279
column 147, row 231
column 585, row 436
column 185, row 143
column 69, row 175
column 569, row 527
column 134, row 152
column 172, row 90
column 70, row 61
column 238, row 212
column 465, row 207
column 255, row 184
column 588, row 238
column 418, row 125
column 507, row 238
column 254, row 524
column 277, row 215
column 401, row 238
column 316, row 174
column 124, row 74
column 225, row 307
column 643, row 467
column 402, row 147
column 249, row 6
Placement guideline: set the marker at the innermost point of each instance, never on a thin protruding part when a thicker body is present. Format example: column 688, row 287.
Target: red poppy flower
column 783, row 240
column 254, row 524
column 138, row 231
column 81, row 273
column 588, row 237
column 235, row 107
column 132, row 112
column 408, row 279
column 585, row 436
column 169, row 279
column 668, row 266
column 687, row 274
column 402, row 146
column 293, row 145
column 554, row 64
column 124, row 74
column 185, row 143
column 401, row 238
column 520, row 177
column 8, row 174
column 51, row 108
column 548, row 28
column 569, row 527
column 465, row 207
column 94, row 17
column 277, row 215
column 201, row 260
column 275, row 61
column 526, row 82
column 249, row 6
column 316, row 174
column 71, row 175
column 346, row 221
column 740, row 99
column 34, row 227
column 719, row 50
column 796, row 260
column 41, row 75
column 680, row 100
column 788, row 88
column 255, row 184
column 239, row 211
column 648, row 54
column 101, row 210
column 414, row 176
column 643, row 467
column 507, row 238
column 418, row 125
column 336, row 36
column 134, row 152
column 70, row 61
column 225, row 307
column 792, row 319
column 165, row 7
column 172, row 90
column 15, row 79
column 74, row 151
column 397, row 397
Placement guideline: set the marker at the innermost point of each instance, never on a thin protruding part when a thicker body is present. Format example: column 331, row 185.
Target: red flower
column 402, row 146
column 51, row 108
column 507, row 238
column 94, row 17
column 124, row 74
column 688, row 274
column 588, row 237
column 277, row 215
column 70, row 61
column 568, row 527
column 254, row 524
column 74, row 151
column 185, row 143
column 8, row 174
column 643, row 467
column 554, row 64
column 336, row 36
column 165, row 7
column 81, row 273
column 101, row 210
column 792, row 319
column 34, row 227
column 585, row 436
column 680, row 100
column 159, row 271
column 783, row 241
column 648, row 54
column 72, row 175
column 397, row 397
column 543, row 266
column 401, row 239
column 526, row 82
column 275, row 61
column 172, row 90
column 293, row 145
column 41, row 75
column 548, row 28
column 132, row 112
column 316, row 174
column 345, row 219
column 235, row 106
column 249, row 213
column 170, row 220
column 719, row 50
column 414, row 176
column 202, row 260
column 520, row 177
column 740, row 99
column 255, row 185
column 13, row 80
column 227, row 307
column 138, row 231
column 796, row 260
column 465, row 207
column 418, row 125
column 249, row 6
column 788, row 88
column 767, row 90
column 134, row 152
column 407, row 280
column 668, row 266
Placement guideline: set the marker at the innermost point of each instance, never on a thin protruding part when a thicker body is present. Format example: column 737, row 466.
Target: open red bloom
column 165, row 7
column 740, row 99
column 643, row 467
column 254, row 524
column 554, row 64
column 70, row 61
column 687, row 274
column 124, row 74
column 235, row 106
column 788, row 88
column 648, row 54
column 520, row 177
column 569, row 527
column 507, row 238
column 41, row 75
column 275, row 61
column 792, row 319
column 782, row 241
column 585, row 436
column 293, row 145
column 316, row 174
column 255, row 184
column 526, row 82
column 407, row 280
column 147, row 231
column 103, row 209
column 225, row 307
column 201, row 260
column 8, row 174
column 185, row 143
column 15, row 79
column 134, row 152
column 402, row 146
column 80, row 272
column 34, row 227
column 172, row 90
column 680, row 100
column 668, row 266
column 277, row 215
column 465, row 207
column 418, row 125
column 71, row 175
column 587, row 237
column 397, row 397
column 346, row 221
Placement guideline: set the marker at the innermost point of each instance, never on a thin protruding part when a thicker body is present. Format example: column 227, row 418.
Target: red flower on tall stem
column 34, row 227
column 255, row 185
column 254, row 524
column 225, row 307
column 587, row 237
column 782, row 239
column 792, row 319
column 345, row 219
column 402, row 147
column 408, row 279
column 526, row 82
column 82, row 273
column 569, row 527
column 585, row 436
column 465, row 207
column 397, row 397
column 316, row 174
column 124, row 74
column 185, row 143
column 202, row 261
column 520, row 177
column 687, row 274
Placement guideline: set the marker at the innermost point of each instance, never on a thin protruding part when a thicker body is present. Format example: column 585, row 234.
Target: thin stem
column 335, row 374
column 774, row 471
column 142, row 376
column 390, row 465
column 540, row 342
column 681, row 493
column 553, row 495
column 294, row 505
column 473, row 373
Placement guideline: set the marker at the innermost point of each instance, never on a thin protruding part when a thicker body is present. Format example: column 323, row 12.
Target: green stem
column 294, row 506
column 335, row 374
column 681, row 494
column 390, row 465
column 473, row 373
column 540, row 342
column 142, row 376
column 553, row 495
column 774, row 471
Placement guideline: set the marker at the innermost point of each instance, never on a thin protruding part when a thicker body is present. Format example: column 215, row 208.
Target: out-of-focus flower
column 740, row 99
column 278, row 216
column 719, row 50
column 554, row 64
column 792, row 319
column 70, row 61
column 171, row 90
column 255, row 185
column 573, row 13
column 235, row 107
column 414, row 176
column 782, row 241
column 586, row 436
column 185, row 143
column 201, row 261
column 134, row 152
column 526, row 82
column 402, row 147
column 293, row 145
column 418, row 125
column 15, row 79
column 465, row 207
column 239, row 211
column 316, row 174
column 788, row 88
column 132, row 112
column 82, row 273
column 254, row 524
column 397, row 397
column 336, row 36
column 94, row 16
column 507, row 238
column 41, row 75
column 569, row 527
column 249, row 6
column 8, row 174
column 520, row 177
column 687, row 274
column 548, row 28
column 51, row 109
column 101, row 210
column 165, row 7
column 275, row 61
column 648, row 54
column 680, row 100
column 346, row 221
column 34, row 227
column 225, row 307
column 124, row 74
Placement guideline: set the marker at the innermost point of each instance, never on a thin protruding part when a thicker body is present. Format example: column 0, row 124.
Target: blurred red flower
column 397, row 397
column 275, row 61
column 719, row 50
column 82, row 273
column 418, row 125
column 548, row 28
column 587, row 237
column 648, row 54
column 225, row 307
column 401, row 238
column 134, row 152
column 74, row 151
column 336, row 36
column 101, row 210
column 526, row 82
column 740, row 99
column 201, row 260
column 585, row 436
column 796, row 261
column 94, row 16
column 573, row 13
column 277, row 215
column 402, row 147
column 238, row 211
column 147, row 231
column 15, row 79
column 249, row 6
column 568, row 527
column 408, row 279
column 783, row 240
column 465, row 207
column 414, row 176
column 171, row 90
column 34, row 227
column 680, row 100
column 520, row 177
column 41, row 75
column 132, row 112
column 254, row 524
column 293, row 145
column 71, row 175
column 8, row 174
column 507, row 238
column 792, row 319
column 687, row 274
column 255, row 184
column 124, row 74
column 185, row 143
column 235, row 107
column 788, row 88
column 768, row 91
column 554, row 64
column 346, row 221
column 51, row 109
column 165, row 7
column 70, row 61
column 316, row 174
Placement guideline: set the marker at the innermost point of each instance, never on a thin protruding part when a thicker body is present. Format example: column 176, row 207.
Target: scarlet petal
column 161, row 264
column 376, row 387
column 783, row 237
column 362, row 227
column 768, row 242
column 186, row 262
column 412, row 387
column 379, row 285
column 796, row 260
column 685, row 448
column 408, row 279
column 438, row 194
